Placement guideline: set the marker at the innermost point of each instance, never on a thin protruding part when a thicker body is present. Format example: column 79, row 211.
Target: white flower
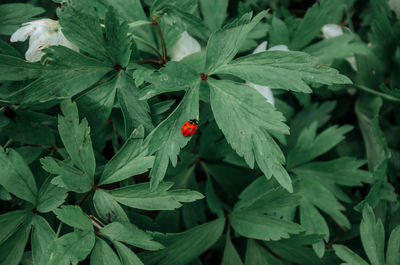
column 42, row 33
column 395, row 6
column 332, row 31
column 185, row 46
column 264, row 90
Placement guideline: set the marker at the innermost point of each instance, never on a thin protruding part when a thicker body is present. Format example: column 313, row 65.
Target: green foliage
column 13, row 15
column 373, row 240
column 95, row 169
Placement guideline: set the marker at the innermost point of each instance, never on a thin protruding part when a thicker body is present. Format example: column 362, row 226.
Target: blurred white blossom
column 332, row 31
column 185, row 46
column 395, row 6
column 264, row 90
column 42, row 33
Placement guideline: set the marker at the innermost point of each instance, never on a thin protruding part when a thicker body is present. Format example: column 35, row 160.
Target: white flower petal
column 395, row 6
column 22, row 33
column 34, row 53
column 185, row 46
column 352, row 62
column 261, row 47
column 42, row 33
column 331, row 31
column 265, row 91
column 281, row 47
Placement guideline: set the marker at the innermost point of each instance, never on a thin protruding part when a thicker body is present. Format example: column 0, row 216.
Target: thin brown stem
column 96, row 224
column 83, row 198
column 164, row 46
column 329, row 245
column 9, row 142
column 151, row 61
column 96, row 219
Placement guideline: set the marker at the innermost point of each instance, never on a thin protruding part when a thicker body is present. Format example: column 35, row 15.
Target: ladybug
column 189, row 127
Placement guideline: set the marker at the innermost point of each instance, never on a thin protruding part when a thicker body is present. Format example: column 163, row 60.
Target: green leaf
column 320, row 113
column 174, row 76
column 181, row 248
column 393, row 248
column 50, row 196
column 321, row 13
column 71, row 247
column 288, row 70
column 103, row 254
column 317, row 190
column 231, row 256
column 310, row 145
column 13, row 15
column 129, row 161
column 279, row 33
column 107, row 207
column 127, row 256
column 118, row 43
column 76, row 138
column 67, row 74
column 132, row 11
column 7, row 49
column 29, row 153
column 135, row 111
column 213, row 202
column 257, row 255
column 253, row 224
column 224, row 44
column 16, row 177
column 169, row 131
column 42, row 237
column 314, row 223
column 367, row 110
column 372, row 237
column 139, row 196
column 247, row 125
column 312, row 220
column 214, row 13
column 68, row 177
column 74, row 216
column 130, row 234
column 96, row 107
column 296, row 249
column 14, row 68
column 10, row 223
column 349, row 256
column 265, row 196
column 343, row 171
column 340, row 47
column 39, row 133
column 12, row 249
column 83, row 30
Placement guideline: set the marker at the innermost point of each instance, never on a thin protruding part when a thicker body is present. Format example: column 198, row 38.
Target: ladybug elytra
column 189, row 127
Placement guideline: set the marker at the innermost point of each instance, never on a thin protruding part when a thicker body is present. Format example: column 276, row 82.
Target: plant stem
column 148, row 44
column 59, row 229
column 96, row 219
column 164, row 46
column 8, row 143
column 150, row 61
column 83, row 198
column 377, row 93
column 97, row 225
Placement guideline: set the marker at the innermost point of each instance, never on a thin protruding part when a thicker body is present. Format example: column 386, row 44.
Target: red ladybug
column 189, row 127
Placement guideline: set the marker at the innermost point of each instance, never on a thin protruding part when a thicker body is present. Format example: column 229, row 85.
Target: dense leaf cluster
column 94, row 167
